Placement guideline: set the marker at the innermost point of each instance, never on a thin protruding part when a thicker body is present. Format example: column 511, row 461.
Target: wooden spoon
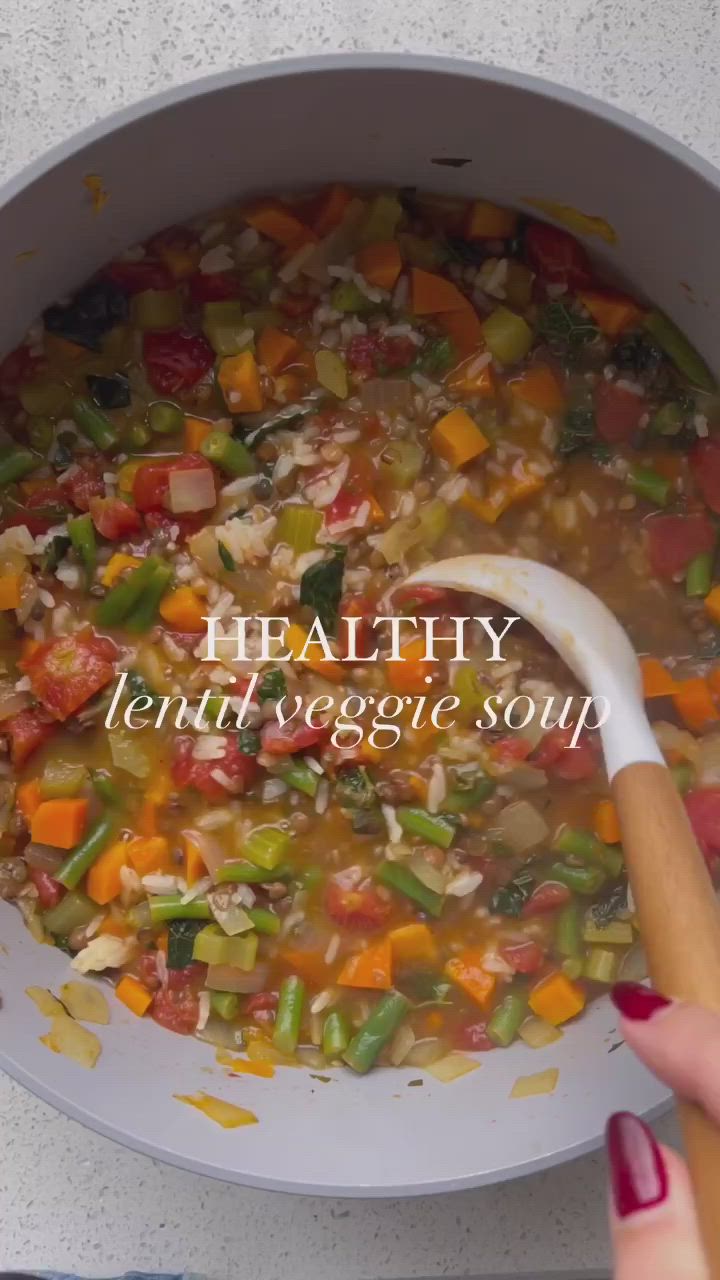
column 676, row 904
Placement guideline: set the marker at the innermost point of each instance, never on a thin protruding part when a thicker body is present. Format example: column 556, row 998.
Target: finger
column 654, row 1229
column 679, row 1042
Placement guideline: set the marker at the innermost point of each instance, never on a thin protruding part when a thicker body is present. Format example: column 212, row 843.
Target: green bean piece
column 289, row 1015
column 699, row 574
column 138, row 435
column 650, row 485
column 582, row 880
column 122, row 599
column 81, row 532
column 397, row 876
column 142, row 617
column 568, row 930
column 228, row 454
column 169, row 906
column 680, row 350
column 84, row 854
column 367, row 1044
column 72, row 912
column 104, row 787
column 226, row 1004
column 301, row 777
column 431, row 827
column 572, row 842
column 267, row 846
column 165, row 418
column 264, row 921
column 248, row 873
column 507, row 1018
column 16, row 463
column 94, row 423
column 336, row 1035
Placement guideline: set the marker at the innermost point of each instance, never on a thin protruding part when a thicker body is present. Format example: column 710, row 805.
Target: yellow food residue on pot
column 99, row 196
column 536, row 1085
column 226, row 1114
column 583, row 224
column 241, row 1066
column 25, row 255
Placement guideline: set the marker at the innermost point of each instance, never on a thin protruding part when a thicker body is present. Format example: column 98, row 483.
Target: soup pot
column 439, row 124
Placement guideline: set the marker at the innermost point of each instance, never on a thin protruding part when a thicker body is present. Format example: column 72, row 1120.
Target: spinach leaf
column 249, row 741
column 138, row 688
column 565, row 332
column 606, row 909
column 321, row 589
column 55, row 551
column 578, row 435
column 637, row 354
column 181, row 940
column 109, row 393
column 94, row 310
column 436, row 356
column 355, row 789
column 367, row 822
column 272, row 687
column 511, row 898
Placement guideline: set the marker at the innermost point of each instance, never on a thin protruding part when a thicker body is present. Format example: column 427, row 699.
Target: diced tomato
column 17, row 367
column 146, row 966
column 703, row 810
column 218, row 286
column 369, row 354
column 344, row 507
column 572, row 764
column 673, row 541
column 261, row 1002
column 44, row 507
column 239, row 770
column 472, row 1035
column 193, row 975
column 50, row 891
column 151, row 485
column 176, row 359
column 705, row 462
column 83, row 482
column 284, row 739
column 617, row 412
column 176, row 1010
column 137, row 277
column 357, row 606
column 27, row 731
column 113, row 518
column 363, row 909
column 297, row 304
column 524, row 957
column 556, row 256
column 547, row 897
column 511, row 749
column 186, row 525
column 65, row 672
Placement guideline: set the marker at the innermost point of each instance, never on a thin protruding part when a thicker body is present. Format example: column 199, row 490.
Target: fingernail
column 637, row 1002
column 638, row 1176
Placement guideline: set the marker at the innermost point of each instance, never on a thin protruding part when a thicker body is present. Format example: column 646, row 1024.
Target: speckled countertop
column 74, row 1201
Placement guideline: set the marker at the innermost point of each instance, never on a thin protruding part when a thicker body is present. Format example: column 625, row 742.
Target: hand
column 653, row 1222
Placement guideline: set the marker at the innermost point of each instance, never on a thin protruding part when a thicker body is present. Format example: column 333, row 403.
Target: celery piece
column 72, row 912
column 347, row 296
column 212, row 946
column 507, row 335
column 616, row 933
column 265, row 318
column 382, row 219
column 568, row 930
column 226, row 328
column 157, row 309
column 401, row 462
column 127, row 753
column 61, row 778
column 165, row 418
column 331, row 373
column 301, row 777
column 44, row 398
column 226, row 1004
column 601, row 965
column 266, row 847
column 298, row 526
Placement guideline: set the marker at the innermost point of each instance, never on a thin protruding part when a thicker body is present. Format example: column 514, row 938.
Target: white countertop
column 71, row 1200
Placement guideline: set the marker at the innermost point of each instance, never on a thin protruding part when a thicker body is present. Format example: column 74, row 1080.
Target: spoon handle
column 680, row 928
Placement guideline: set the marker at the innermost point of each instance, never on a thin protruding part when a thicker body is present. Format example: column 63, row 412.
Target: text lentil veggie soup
column 282, row 409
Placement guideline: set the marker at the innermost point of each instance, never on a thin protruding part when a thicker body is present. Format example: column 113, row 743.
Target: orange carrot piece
column 488, row 221
column 309, row 965
column 196, row 430
column 149, row 854
column 467, row 972
column 184, row 610
column 296, row 640
column 134, row 995
column 713, row 679
column 29, row 798
column 10, row 590
column 115, row 927
column 457, row 438
column 413, row 944
column 557, row 999
column 712, row 604
column 239, row 380
column 538, row 387
column 104, row 881
column 276, row 349
column 432, row 294
column 195, row 867
column 612, row 312
column 380, row 263
column 695, row 703
column 606, row 823
column 473, row 376
column 278, row 223
column 464, row 329
column 60, row 823
column 408, row 676
column 333, row 204
column 370, row 969
column 656, row 681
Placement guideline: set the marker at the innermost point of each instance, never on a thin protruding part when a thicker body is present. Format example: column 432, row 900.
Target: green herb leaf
column 578, row 432
column 138, row 688
column 436, row 356
column 565, row 331
column 226, row 559
column 272, row 687
column 55, row 551
column 321, row 589
column 249, row 741
column 355, row 789
column 511, row 898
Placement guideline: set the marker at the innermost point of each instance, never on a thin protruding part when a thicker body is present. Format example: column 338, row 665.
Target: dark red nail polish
column 637, row 1002
column 637, row 1170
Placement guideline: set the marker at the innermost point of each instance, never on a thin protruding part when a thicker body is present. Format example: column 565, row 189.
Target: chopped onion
column 228, row 912
column 401, row 1044
column 387, row 395
column 521, row 826
column 537, row 1033
column 534, row 1086
column 218, row 1032
column 708, row 761
column 425, row 1052
column 525, row 777
column 430, row 876
column 127, row 753
column 634, row 966
column 192, row 490
column 11, row 701
column 670, row 738
column 337, row 246
column 43, row 857
column 452, row 1067
column 209, row 848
